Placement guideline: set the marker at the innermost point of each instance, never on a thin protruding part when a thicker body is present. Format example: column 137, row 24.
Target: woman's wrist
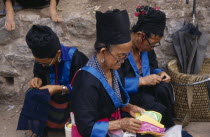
column 57, row 89
column 115, row 125
column 61, row 89
column 141, row 81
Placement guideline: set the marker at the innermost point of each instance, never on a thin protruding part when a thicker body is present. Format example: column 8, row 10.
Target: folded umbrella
column 190, row 46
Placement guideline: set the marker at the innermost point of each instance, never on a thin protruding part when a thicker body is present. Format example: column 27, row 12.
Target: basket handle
column 187, row 117
column 190, row 89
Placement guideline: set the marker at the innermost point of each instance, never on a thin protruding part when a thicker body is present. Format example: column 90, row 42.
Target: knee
column 155, row 106
column 162, row 84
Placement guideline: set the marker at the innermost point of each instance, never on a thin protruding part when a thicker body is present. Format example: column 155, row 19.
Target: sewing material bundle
column 151, row 123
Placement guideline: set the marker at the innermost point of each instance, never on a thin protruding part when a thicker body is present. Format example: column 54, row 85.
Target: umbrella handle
column 194, row 6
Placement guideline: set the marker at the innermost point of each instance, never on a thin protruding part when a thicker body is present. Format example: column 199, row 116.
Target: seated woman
column 10, row 19
column 147, row 85
column 141, row 68
column 97, row 94
column 47, row 103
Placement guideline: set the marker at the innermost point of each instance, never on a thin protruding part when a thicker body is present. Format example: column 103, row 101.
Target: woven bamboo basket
column 199, row 106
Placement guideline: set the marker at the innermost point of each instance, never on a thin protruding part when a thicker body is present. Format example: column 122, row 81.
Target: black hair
column 150, row 21
column 98, row 46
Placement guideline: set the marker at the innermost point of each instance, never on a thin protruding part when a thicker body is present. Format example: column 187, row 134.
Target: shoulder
column 74, row 53
column 79, row 53
column 85, row 79
column 79, row 57
column 85, row 85
column 67, row 49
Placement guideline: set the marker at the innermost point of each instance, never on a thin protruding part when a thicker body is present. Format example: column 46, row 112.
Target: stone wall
column 78, row 29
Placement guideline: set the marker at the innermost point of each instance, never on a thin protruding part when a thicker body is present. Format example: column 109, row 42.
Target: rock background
column 78, row 29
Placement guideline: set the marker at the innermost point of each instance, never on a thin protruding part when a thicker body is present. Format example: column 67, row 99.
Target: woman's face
column 144, row 43
column 115, row 56
column 46, row 62
column 150, row 43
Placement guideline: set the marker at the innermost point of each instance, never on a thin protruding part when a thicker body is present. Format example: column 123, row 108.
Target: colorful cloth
column 35, row 109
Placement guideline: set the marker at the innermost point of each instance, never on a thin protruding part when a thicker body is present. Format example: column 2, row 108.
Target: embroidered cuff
column 156, row 71
column 69, row 87
column 100, row 129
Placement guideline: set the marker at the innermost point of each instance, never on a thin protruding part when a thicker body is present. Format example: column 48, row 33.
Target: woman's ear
column 103, row 50
column 58, row 53
column 141, row 34
column 102, row 55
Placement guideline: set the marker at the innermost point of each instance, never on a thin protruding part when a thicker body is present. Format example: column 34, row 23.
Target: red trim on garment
column 51, row 124
column 115, row 115
column 72, row 81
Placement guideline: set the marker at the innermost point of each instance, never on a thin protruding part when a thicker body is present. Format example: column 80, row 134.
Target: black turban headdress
column 113, row 27
column 42, row 41
column 150, row 20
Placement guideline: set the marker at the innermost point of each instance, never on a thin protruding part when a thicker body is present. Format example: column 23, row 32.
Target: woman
column 147, row 85
column 141, row 67
column 97, row 94
column 54, row 68
column 10, row 15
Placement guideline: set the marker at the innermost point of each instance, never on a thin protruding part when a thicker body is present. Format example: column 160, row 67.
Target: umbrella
column 190, row 45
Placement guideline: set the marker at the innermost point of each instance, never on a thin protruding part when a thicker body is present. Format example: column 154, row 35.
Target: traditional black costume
column 40, row 110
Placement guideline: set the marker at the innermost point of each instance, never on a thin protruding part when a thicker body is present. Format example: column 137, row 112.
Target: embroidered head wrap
column 150, row 20
column 42, row 41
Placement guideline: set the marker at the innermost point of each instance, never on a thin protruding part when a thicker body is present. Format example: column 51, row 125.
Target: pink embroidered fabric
column 149, row 127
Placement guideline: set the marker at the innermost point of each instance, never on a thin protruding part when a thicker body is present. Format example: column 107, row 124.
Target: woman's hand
column 52, row 88
column 127, row 124
column 135, row 109
column 152, row 79
column 35, row 83
column 132, row 109
column 130, row 124
column 164, row 76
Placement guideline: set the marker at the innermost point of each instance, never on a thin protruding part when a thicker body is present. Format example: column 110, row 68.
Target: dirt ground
column 9, row 115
